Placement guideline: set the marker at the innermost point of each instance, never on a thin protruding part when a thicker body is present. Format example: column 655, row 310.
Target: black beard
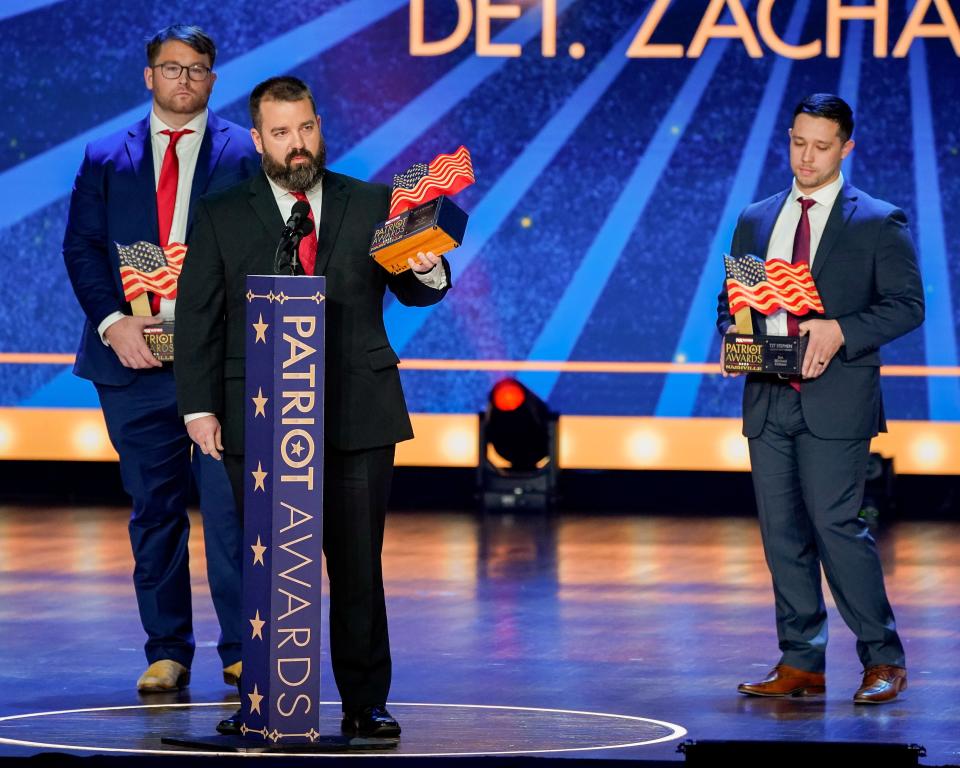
column 299, row 178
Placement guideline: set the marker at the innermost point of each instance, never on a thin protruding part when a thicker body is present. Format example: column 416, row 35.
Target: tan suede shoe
column 164, row 675
column 785, row 680
column 231, row 674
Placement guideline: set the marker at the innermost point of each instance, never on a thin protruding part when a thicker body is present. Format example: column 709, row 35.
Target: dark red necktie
column 801, row 255
column 167, row 195
column 308, row 245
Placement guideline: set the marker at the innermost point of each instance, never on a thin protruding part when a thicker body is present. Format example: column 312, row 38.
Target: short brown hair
column 187, row 34
column 283, row 88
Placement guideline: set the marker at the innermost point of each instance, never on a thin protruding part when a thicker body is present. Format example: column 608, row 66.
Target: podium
column 283, row 509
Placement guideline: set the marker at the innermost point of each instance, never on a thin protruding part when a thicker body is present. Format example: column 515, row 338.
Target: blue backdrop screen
column 609, row 175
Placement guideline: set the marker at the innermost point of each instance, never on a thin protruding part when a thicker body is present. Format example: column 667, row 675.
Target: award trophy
column 766, row 287
column 148, row 267
column 422, row 217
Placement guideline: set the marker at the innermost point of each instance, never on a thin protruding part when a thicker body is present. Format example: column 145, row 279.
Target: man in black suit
column 810, row 437
column 236, row 234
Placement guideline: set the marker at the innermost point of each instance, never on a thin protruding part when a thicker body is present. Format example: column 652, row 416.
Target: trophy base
column 160, row 340
column 750, row 353
column 437, row 226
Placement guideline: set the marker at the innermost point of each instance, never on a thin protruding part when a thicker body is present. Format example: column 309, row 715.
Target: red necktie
column 308, row 245
column 801, row 255
column 167, row 195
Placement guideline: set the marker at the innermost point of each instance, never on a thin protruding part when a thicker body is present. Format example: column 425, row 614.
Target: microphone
column 305, row 227
column 298, row 226
column 298, row 217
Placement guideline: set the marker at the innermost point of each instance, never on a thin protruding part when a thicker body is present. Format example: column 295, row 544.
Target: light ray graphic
column 49, row 175
column 849, row 88
column 679, row 393
column 486, row 218
column 939, row 333
column 391, row 137
column 11, row 8
column 561, row 332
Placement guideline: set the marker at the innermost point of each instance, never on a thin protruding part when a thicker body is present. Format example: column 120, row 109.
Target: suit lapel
column 843, row 208
column 214, row 141
column 140, row 152
column 335, row 197
column 265, row 206
column 767, row 221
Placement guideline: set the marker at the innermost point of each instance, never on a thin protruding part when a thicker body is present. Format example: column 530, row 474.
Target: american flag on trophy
column 422, row 217
column 767, row 286
column 446, row 175
column 148, row 267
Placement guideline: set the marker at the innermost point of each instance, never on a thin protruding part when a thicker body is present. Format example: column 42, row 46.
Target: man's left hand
column 424, row 262
column 824, row 339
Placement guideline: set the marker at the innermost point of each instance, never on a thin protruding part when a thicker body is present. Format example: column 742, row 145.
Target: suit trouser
column 355, row 494
column 809, row 491
column 155, row 466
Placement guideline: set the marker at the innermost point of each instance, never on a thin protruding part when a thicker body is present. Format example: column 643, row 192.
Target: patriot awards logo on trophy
column 147, row 269
column 766, row 286
column 422, row 216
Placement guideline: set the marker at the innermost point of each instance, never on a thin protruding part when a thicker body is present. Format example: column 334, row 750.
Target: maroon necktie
column 308, row 245
column 801, row 255
column 167, row 195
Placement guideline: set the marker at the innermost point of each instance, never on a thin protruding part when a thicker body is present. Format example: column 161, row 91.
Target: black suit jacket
column 866, row 273
column 235, row 234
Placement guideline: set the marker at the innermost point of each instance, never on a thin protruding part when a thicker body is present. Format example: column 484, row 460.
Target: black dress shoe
column 370, row 723
column 230, row 726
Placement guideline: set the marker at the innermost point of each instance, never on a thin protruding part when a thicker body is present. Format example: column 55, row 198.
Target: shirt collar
column 825, row 196
column 280, row 193
column 197, row 124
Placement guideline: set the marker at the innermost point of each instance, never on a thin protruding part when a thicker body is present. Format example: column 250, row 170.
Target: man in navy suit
column 810, row 437
column 141, row 185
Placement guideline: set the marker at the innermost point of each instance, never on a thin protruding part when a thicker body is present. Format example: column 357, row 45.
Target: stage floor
column 636, row 630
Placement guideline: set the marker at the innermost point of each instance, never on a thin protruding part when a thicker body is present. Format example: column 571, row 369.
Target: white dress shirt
column 784, row 232
column 188, row 150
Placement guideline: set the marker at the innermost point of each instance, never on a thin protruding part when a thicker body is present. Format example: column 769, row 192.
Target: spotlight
column 521, row 430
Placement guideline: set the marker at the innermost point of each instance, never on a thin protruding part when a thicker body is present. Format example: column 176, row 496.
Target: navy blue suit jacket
column 114, row 201
column 866, row 273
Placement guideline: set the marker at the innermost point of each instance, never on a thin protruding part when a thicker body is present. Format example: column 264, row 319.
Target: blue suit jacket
column 866, row 273
column 114, row 201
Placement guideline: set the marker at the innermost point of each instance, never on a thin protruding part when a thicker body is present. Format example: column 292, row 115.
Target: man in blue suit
column 141, row 185
column 810, row 437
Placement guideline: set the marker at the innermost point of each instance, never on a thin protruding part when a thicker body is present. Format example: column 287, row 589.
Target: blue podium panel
column 283, row 508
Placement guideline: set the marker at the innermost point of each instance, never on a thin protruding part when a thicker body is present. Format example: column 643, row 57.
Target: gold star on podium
column 260, row 403
column 258, row 550
column 257, row 623
column 258, row 477
column 261, row 328
column 255, row 699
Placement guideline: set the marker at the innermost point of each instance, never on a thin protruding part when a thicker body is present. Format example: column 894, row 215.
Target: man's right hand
column 205, row 432
column 723, row 371
column 125, row 337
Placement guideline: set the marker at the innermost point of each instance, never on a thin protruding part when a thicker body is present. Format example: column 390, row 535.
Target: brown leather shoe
column 881, row 684
column 785, row 680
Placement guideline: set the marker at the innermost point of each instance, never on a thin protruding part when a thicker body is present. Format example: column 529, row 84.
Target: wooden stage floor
column 628, row 625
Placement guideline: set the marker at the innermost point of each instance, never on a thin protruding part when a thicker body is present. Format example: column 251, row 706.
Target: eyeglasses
column 171, row 71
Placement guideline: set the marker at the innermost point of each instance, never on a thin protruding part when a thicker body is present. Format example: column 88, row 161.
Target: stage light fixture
column 520, row 429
